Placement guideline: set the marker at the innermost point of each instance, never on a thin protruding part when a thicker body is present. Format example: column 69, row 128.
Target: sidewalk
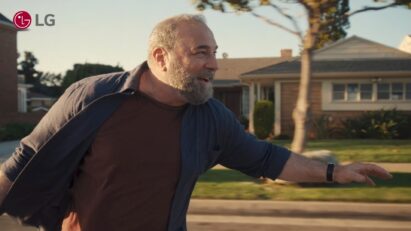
column 227, row 215
column 352, row 210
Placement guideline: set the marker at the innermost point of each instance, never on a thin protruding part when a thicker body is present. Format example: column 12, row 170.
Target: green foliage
column 15, row 131
column 332, row 20
column 27, row 68
column 263, row 118
column 229, row 184
column 44, row 83
column 330, row 17
column 382, row 124
column 282, row 137
column 334, row 23
column 365, row 150
column 81, row 71
column 323, row 127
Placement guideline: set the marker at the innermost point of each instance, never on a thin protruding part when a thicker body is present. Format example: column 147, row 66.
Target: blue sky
column 116, row 32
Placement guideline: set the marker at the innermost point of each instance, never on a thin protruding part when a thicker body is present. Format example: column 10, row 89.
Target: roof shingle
column 375, row 65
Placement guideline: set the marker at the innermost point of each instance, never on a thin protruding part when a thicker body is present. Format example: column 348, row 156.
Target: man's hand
column 360, row 173
column 302, row 169
column 5, row 185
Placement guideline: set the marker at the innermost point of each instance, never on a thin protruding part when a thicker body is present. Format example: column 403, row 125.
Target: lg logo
column 22, row 20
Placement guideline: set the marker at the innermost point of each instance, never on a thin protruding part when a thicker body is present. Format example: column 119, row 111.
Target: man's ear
column 160, row 57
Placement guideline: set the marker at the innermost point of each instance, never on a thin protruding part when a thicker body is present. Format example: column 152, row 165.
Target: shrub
column 15, row 131
column 382, row 124
column 263, row 118
column 324, row 128
column 282, row 137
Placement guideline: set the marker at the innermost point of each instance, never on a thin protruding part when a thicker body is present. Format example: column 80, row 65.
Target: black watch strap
column 330, row 172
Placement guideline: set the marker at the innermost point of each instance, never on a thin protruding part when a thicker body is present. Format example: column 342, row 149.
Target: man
column 123, row 151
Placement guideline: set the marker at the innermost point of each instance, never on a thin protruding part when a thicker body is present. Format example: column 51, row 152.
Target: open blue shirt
column 42, row 167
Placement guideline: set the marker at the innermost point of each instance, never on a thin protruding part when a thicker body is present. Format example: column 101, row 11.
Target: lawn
column 390, row 151
column 229, row 184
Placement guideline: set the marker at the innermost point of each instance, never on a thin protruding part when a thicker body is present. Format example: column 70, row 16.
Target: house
column 227, row 85
column 406, row 44
column 12, row 93
column 349, row 77
column 39, row 102
column 8, row 66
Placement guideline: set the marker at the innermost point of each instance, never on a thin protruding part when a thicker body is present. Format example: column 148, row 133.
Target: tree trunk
column 301, row 113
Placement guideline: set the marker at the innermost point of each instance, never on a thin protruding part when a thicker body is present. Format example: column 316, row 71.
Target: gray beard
column 189, row 85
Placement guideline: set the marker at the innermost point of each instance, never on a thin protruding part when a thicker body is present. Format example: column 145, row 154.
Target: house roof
column 354, row 55
column 358, row 48
column 232, row 68
column 5, row 21
column 406, row 44
column 322, row 66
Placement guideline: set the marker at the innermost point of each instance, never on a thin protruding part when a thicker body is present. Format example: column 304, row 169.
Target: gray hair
column 164, row 33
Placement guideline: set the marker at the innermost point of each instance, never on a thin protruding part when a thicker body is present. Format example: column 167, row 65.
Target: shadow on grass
column 399, row 179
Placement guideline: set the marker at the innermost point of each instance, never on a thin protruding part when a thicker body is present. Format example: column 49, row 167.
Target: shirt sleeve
column 244, row 152
column 58, row 115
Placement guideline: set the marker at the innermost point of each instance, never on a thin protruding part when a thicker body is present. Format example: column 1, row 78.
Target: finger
column 377, row 171
column 359, row 178
column 369, row 181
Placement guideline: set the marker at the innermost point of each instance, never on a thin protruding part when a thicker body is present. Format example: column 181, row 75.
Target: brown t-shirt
column 128, row 179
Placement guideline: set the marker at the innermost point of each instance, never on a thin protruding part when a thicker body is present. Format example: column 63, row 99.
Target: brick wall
column 289, row 94
column 8, row 71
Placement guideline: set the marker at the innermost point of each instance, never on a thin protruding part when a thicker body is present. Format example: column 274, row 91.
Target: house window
column 338, row 92
column 352, row 92
column 383, row 91
column 408, row 91
column 267, row 93
column 397, row 91
column 394, row 91
column 365, row 91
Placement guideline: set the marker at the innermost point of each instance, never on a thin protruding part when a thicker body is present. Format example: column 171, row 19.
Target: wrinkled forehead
column 191, row 35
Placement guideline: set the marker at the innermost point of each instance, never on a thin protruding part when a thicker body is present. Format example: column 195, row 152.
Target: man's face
column 192, row 63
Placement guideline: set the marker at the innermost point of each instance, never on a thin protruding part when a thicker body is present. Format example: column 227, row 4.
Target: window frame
column 374, row 91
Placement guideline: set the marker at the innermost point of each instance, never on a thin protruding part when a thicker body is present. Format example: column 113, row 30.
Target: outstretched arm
column 5, row 185
column 302, row 169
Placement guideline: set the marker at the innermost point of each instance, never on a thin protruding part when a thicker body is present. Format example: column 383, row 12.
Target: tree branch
column 371, row 8
column 289, row 17
column 271, row 22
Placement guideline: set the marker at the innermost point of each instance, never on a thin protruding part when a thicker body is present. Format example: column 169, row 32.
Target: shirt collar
column 133, row 77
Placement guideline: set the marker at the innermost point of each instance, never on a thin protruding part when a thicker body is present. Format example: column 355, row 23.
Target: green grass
column 229, row 184
column 392, row 151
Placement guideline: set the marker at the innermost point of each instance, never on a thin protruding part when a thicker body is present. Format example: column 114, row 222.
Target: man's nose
column 212, row 63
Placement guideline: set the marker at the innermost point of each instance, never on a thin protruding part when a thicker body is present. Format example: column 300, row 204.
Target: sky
column 116, row 32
